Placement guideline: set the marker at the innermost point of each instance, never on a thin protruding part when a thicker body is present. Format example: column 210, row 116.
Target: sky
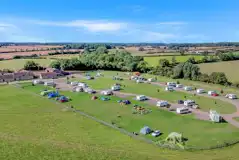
column 121, row 21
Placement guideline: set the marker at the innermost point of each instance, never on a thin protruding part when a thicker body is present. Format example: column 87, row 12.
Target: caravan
column 200, row 91
column 231, row 96
column 169, row 88
column 74, row 83
column 141, row 98
column 83, row 85
column 182, row 110
column 51, row 83
column 107, row 92
column 115, row 88
column 189, row 103
column 179, row 86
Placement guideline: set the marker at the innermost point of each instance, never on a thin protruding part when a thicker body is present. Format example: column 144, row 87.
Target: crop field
column 33, row 128
column 26, row 48
column 156, row 119
column 62, row 56
column 230, row 68
column 153, row 61
column 17, row 64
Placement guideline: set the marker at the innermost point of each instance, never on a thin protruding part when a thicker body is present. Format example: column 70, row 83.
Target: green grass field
column 230, row 68
column 158, row 119
column 17, row 64
column 153, row 61
column 35, row 128
column 151, row 90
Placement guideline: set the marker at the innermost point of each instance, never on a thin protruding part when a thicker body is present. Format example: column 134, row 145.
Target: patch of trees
column 6, row 71
column 88, row 45
column 63, row 52
column 31, row 65
column 25, row 56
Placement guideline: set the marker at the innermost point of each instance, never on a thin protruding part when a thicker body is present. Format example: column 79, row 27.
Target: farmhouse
column 8, row 77
column 23, row 75
column 48, row 75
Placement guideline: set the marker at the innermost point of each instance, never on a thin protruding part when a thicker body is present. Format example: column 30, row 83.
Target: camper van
column 200, row 91
column 49, row 84
column 188, row 88
column 231, row 96
column 115, row 88
column 169, row 88
column 162, row 104
column 107, row 92
column 38, row 82
column 141, row 98
column 179, row 86
column 182, row 110
column 189, row 103
column 74, row 83
column 171, row 84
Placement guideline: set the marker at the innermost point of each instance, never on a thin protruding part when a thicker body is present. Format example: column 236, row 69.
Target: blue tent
column 53, row 94
column 145, row 130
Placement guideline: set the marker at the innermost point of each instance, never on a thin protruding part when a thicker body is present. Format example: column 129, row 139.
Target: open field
column 156, row 119
column 17, row 64
column 10, row 55
column 62, row 56
column 153, row 61
column 33, row 128
column 230, row 68
column 27, row 48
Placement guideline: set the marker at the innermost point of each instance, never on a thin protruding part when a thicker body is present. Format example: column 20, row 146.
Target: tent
column 63, row 99
column 145, row 130
column 53, row 94
column 175, row 138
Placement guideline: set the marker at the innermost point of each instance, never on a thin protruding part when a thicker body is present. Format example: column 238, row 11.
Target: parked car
column 231, row 96
column 156, row 133
column 180, row 101
column 141, row 98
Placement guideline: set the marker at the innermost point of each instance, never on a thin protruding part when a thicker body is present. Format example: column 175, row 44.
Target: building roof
column 48, row 74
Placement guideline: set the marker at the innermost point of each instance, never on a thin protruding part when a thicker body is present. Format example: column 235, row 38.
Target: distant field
column 230, row 68
column 154, row 60
column 135, row 52
column 63, row 56
column 30, row 47
column 17, row 64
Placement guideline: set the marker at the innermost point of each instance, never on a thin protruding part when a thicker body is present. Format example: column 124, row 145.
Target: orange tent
column 137, row 73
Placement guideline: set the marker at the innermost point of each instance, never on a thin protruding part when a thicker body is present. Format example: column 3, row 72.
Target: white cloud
column 93, row 26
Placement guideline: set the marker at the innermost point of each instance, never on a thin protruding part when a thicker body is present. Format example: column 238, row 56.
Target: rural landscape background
column 60, row 62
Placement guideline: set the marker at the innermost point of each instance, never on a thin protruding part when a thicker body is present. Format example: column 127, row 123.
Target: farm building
column 145, row 130
column 182, row 110
column 48, row 75
column 8, row 77
column 23, row 75
column 1, row 78
column 214, row 116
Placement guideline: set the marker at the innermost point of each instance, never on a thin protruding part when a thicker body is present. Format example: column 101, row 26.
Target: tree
column 174, row 62
column 191, row 60
column 178, row 71
column 31, row 65
column 141, row 49
column 218, row 78
column 164, row 63
column 101, row 50
column 204, row 78
column 182, row 52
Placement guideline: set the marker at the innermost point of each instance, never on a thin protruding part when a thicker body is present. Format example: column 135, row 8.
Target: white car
column 156, row 133
column 74, row 83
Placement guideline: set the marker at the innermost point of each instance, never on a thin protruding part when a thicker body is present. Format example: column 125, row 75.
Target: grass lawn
column 36, row 128
column 153, row 61
column 151, row 90
column 229, row 68
column 158, row 119
column 17, row 64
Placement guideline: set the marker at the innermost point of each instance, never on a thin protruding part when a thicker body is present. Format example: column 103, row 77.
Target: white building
column 182, row 110
column 188, row 88
column 189, row 103
column 141, row 98
column 200, row 91
column 162, row 104
column 231, row 96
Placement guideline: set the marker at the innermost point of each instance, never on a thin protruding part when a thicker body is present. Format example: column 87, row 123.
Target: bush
column 31, row 65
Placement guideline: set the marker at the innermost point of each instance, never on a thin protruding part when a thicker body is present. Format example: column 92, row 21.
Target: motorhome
column 169, row 88
column 200, row 91
column 188, row 88
column 171, row 84
column 231, row 96
column 115, row 88
column 162, row 104
column 141, row 98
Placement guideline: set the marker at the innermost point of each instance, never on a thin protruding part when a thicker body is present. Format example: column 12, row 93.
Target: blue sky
column 119, row 21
